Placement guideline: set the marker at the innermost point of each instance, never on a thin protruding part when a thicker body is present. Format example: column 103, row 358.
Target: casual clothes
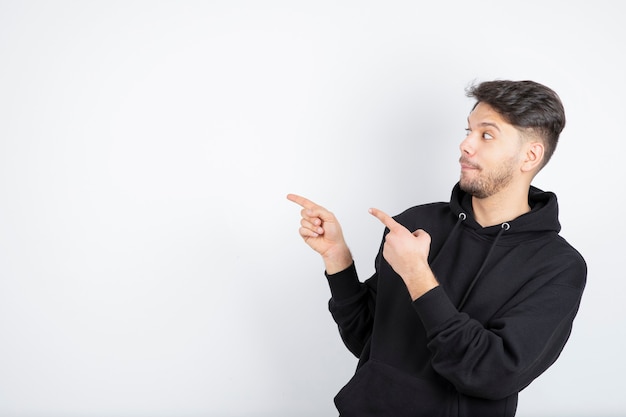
column 501, row 315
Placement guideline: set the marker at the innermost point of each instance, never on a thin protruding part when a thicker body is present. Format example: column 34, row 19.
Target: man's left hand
column 407, row 253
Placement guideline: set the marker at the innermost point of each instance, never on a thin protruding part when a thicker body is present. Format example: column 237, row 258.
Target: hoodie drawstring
column 462, row 217
column 504, row 227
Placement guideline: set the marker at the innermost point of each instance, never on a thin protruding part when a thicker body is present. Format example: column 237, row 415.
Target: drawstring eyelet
column 506, row 226
column 462, row 216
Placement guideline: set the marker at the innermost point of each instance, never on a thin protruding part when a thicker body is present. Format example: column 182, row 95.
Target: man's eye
column 487, row 136
column 467, row 131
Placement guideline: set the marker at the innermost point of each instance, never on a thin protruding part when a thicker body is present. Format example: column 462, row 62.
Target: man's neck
column 501, row 207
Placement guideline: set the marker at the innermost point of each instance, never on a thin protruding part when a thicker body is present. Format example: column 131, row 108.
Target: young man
column 472, row 299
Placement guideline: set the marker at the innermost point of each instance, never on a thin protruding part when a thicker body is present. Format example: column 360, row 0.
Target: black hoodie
column 501, row 315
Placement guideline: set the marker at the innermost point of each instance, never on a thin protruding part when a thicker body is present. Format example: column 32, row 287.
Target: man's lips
column 465, row 164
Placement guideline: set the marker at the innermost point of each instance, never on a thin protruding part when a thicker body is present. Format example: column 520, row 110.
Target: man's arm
column 352, row 302
column 501, row 357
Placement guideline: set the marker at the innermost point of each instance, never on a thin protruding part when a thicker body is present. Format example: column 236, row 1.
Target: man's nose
column 467, row 145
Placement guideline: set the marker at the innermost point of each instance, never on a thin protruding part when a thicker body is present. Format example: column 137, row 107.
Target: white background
column 149, row 262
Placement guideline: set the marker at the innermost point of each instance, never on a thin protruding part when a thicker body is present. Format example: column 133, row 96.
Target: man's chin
column 472, row 189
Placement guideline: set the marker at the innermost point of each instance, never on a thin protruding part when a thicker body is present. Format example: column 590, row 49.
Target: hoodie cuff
column 434, row 309
column 344, row 284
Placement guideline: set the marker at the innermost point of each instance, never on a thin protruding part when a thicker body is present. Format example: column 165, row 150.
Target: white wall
column 149, row 261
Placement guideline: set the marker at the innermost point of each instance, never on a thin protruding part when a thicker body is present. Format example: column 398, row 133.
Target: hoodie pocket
column 377, row 389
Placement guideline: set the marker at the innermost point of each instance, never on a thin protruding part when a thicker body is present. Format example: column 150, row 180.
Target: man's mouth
column 465, row 164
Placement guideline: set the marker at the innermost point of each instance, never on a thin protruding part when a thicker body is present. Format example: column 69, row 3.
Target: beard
column 486, row 184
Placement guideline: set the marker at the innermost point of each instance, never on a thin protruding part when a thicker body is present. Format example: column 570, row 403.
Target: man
column 472, row 299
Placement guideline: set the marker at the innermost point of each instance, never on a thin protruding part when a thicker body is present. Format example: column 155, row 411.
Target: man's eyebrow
column 485, row 124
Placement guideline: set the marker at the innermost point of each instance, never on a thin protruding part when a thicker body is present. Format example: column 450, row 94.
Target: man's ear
column 533, row 157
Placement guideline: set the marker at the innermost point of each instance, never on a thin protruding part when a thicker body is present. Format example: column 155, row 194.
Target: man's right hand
column 321, row 231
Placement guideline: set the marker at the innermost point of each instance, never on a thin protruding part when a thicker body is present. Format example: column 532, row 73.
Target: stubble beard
column 485, row 185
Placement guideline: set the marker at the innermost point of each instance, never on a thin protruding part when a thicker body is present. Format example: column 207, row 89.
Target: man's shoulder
column 564, row 249
column 425, row 216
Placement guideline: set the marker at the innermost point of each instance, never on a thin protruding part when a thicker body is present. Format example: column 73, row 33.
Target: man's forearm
column 337, row 260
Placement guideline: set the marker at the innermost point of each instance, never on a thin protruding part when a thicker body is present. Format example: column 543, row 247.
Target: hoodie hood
column 543, row 216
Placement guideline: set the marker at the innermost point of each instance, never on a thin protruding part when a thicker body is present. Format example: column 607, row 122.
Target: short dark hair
column 527, row 105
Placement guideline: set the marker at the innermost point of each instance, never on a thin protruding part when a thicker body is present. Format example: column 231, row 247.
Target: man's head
column 534, row 109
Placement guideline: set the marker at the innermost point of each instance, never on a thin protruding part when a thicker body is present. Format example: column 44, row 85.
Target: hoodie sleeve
column 506, row 354
column 352, row 307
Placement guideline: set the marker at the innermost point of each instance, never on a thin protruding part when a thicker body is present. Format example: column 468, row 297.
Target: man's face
column 490, row 154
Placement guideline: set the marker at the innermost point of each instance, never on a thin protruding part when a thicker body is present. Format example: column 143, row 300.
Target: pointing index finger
column 301, row 201
column 384, row 218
